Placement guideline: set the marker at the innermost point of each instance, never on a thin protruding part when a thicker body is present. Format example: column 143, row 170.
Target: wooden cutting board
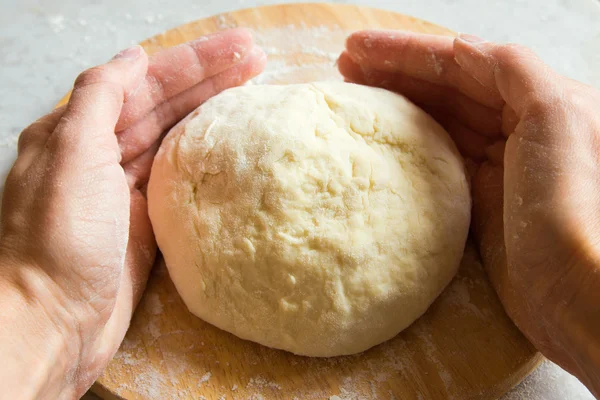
column 464, row 347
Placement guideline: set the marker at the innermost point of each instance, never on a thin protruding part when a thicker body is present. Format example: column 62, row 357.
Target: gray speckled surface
column 44, row 44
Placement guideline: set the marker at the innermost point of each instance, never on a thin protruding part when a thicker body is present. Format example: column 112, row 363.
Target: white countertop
column 44, row 45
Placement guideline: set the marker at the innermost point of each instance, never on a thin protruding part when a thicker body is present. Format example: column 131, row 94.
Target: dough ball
column 321, row 218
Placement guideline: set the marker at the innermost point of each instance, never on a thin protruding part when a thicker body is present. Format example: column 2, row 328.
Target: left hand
column 76, row 238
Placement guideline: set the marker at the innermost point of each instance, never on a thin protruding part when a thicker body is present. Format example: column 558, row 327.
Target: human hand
column 76, row 240
column 533, row 139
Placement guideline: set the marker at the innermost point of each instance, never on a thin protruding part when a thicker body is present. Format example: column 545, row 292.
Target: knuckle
column 513, row 51
column 513, row 56
column 563, row 100
column 537, row 105
column 102, row 80
column 581, row 96
column 542, row 110
column 34, row 133
column 94, row 75
column 25, row 138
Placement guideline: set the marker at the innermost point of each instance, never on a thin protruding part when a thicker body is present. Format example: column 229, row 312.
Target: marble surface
column 45, row 44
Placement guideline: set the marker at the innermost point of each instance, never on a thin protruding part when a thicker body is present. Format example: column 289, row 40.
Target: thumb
column 488, row 227
column 95, row 105
column 520, row 77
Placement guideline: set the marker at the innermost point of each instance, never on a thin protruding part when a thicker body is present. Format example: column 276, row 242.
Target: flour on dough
column 320, row 218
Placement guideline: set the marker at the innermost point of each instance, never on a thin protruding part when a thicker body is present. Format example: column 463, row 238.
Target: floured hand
column 77, row 245
column 532, row 138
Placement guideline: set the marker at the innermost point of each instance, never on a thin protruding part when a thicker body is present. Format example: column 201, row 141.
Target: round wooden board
column 464, row 347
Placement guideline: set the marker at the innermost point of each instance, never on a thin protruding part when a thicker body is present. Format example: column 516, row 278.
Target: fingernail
column 470, row 38
column 131, row 53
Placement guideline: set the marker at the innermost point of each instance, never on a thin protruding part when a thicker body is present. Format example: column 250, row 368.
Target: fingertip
column 129, row 54
column 241, row 41
column 474, row 57
column 133, row 66
column 243, row 33
column 469, row 38
column 257, row 60
column 465, row 51
column 353, row 37
column 259, row 53
column 132, row 61
column 359, row 43
column 349, row 69
column 344, row 62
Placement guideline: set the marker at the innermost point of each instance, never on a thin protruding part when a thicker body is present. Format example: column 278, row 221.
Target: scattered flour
column 9, row 141
column 153, row 304
column 154, row 329
column 225, row 21
column 57, row 23
column 204, row 378
column 261, row 383
column 299, row 53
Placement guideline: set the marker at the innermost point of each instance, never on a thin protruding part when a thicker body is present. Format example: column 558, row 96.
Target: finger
column 137, row 170
column 481, row 119
column 426, row 57
column 88, row 123
column 179, row 68
column 136, row 139
column 514, row 71
column 33, row 139
column 470, row 144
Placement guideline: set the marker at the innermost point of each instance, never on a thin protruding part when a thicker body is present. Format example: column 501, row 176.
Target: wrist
column 38, row 338
column 579, row 322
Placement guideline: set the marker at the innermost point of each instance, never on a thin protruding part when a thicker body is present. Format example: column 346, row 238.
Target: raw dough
column 321, row 218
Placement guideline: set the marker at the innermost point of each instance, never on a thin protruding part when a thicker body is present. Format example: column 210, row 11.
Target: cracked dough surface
column 320, row 218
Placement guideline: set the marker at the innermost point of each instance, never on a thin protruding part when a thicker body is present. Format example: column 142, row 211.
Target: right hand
column 535, row 138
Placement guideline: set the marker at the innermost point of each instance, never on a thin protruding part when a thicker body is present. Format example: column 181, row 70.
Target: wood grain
column 464, row 347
